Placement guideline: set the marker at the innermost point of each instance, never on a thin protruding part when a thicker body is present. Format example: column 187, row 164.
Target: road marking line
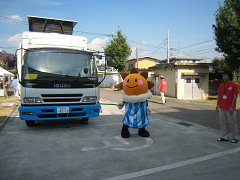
column 123, row 141
column 13, row 132
column 108, row 144
column 174, row 165
column 119, row 147
column 149, row 142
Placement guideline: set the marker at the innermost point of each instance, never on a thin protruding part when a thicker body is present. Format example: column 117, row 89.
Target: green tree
column 227, row 32
column 120, row 50
column 219, row 65
column 236, row 79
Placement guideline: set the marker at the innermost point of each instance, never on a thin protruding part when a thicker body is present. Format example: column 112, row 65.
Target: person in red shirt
column 163, row 88
column 226, row 106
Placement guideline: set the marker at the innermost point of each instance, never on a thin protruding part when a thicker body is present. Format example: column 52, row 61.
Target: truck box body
column 53, row 40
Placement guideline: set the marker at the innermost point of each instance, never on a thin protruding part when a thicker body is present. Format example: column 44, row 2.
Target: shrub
column 116, row 86
column 236, row 79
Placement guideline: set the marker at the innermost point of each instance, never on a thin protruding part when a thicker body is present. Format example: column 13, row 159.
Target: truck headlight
column 89, row 99
column 32, row 100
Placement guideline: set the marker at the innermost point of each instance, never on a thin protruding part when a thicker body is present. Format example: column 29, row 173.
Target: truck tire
column 85, row 120
column 30, row 123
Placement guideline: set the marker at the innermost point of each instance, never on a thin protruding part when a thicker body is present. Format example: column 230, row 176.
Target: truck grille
column 42, row 116
column 51, row 98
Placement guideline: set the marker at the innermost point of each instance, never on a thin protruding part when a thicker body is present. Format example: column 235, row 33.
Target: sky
column 144, row 23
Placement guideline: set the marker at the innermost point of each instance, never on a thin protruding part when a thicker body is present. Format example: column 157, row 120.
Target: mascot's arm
column 120, row 105
column 149, row 110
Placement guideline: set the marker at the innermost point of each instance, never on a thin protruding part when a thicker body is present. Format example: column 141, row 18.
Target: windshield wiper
column 34, row 80
column 80, row 80
column 57, row 79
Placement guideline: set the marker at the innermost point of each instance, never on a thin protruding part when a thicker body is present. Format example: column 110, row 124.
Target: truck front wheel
column 85, row 120
column 30, row 123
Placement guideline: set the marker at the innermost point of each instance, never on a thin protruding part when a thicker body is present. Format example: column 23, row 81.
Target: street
column 179, row 146
column 200, row 114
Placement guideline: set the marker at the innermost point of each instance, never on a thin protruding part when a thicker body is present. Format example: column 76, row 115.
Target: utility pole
column 178, row 49
column 137, row 57
column 172, row 51
column 140, row 48
column 168, row 46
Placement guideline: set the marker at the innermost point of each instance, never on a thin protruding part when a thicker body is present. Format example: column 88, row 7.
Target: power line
column 2, row 31
column 91, row 33
column 159, row 45
column 9, row 48
column 200, row 48
column 160, row 49
column 13, row 20
column 191, row 45
column 25, row 22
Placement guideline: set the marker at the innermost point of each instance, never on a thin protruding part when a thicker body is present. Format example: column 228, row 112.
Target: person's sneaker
column 234, row 141
column 221, row 139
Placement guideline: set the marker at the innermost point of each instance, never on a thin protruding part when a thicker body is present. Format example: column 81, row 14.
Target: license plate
column 62, row 110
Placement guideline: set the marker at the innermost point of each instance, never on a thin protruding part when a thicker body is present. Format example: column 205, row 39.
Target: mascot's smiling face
column 134, row 83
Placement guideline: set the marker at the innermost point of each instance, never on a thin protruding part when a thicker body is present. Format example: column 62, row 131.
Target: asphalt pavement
column 193, row 113
column 182, row 145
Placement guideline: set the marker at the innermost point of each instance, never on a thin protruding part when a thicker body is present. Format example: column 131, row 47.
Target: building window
column 188, row 80
column 197, row 80
column 131, row 65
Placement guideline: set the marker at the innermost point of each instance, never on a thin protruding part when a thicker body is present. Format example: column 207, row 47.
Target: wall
column 145, row 63
column 110, row 80
column 192, row 69
column 169, row 76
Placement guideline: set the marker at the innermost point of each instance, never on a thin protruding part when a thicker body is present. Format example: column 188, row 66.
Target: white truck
column 57, row 73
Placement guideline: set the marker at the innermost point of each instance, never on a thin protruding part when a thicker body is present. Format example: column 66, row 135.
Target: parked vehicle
column 57, row 73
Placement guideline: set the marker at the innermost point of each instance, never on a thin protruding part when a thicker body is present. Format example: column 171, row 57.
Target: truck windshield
column 59, row 64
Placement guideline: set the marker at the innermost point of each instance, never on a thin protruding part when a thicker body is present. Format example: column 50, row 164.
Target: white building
column 187, row 78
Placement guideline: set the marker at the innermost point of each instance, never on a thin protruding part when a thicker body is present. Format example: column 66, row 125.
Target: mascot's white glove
column 120, row 105
column 149, row 110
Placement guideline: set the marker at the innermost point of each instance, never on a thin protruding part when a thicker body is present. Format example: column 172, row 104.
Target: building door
column 193, row 87
column 157, row 83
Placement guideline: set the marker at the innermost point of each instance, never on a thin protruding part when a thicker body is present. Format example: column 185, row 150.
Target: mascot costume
column 136, row 92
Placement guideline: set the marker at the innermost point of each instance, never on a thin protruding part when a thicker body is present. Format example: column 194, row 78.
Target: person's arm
column 218, row 98
column 233, row 103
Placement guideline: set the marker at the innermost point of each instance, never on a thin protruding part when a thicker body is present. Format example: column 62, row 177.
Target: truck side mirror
column 11, row 60
column 109, row 61
column 99, row 56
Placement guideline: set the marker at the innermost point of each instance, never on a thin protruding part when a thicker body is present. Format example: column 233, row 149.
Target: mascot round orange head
column 135, row 83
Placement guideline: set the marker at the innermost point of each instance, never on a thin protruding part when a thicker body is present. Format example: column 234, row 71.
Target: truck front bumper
column 58, row 112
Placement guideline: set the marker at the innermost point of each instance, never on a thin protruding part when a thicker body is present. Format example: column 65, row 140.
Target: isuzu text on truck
column 57, row 73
